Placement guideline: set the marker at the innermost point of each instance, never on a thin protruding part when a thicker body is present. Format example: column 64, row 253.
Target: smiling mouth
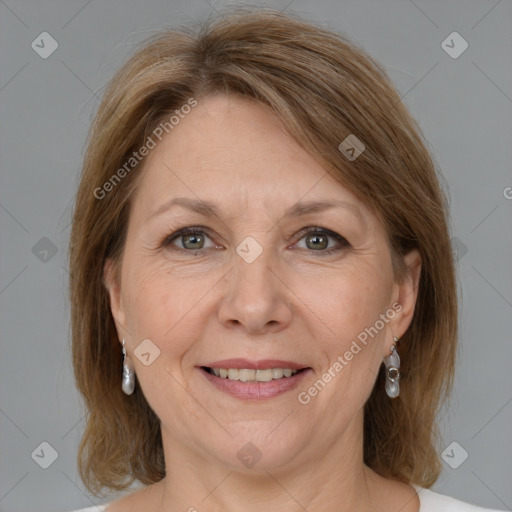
column 251, row 375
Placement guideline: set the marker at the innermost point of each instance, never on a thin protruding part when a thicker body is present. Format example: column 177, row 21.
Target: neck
column 334, row 479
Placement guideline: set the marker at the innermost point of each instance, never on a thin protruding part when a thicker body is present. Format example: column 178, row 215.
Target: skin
column 290, row 303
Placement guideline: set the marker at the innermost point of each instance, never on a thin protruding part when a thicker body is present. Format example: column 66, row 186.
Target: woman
column 264, row 303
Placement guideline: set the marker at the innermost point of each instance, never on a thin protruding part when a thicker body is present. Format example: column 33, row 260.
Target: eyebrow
column 207, row 208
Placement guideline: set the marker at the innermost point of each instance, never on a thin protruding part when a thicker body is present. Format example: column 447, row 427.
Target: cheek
column 349, row 309
column 160, row 311
column 165, row 308
column 350, row 303
column 152, row 290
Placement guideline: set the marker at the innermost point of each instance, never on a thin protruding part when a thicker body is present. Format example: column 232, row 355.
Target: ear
column 406, row 293
column 112, row 282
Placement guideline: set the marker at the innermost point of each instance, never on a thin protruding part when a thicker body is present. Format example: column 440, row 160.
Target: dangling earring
column 128, row 374
column 392, row 363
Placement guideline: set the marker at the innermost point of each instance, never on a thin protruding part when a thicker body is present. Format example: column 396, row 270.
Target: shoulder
column 432, row 502
column 96, row 508
column 429, row 502
column 143, row 498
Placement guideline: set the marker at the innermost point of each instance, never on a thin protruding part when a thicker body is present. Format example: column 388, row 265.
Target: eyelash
column 342, row 242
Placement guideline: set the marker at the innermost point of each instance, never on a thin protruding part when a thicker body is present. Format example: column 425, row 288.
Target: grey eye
column 317, row 241
column 192, row 241
column 190, row 238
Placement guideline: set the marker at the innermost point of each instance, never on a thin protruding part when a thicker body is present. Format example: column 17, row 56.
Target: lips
column 265, row 387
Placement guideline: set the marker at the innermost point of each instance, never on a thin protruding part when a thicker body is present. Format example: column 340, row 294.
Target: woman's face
column 268, row 281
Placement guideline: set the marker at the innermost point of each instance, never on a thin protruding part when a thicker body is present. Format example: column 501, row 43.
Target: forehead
column 238, row 151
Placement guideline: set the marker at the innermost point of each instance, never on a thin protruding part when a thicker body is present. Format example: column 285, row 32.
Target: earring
column 128, row 374
column 392, row 363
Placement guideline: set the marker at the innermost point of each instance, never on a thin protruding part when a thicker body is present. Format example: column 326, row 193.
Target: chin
column 260, row 449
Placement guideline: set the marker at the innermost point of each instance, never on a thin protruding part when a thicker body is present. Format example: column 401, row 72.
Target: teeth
column 246, row 375
column 277, row 373
column 233, row 374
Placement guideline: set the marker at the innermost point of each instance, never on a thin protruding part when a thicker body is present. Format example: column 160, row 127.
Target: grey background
column 463, row 105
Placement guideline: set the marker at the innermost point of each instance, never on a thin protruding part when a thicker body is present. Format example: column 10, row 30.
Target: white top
column 432, row 502
column 429, row 502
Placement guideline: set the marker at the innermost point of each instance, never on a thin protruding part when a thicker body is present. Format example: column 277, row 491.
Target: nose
column 257, row 299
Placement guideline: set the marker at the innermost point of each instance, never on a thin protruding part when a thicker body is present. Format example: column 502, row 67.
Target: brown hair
column 323, row 88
